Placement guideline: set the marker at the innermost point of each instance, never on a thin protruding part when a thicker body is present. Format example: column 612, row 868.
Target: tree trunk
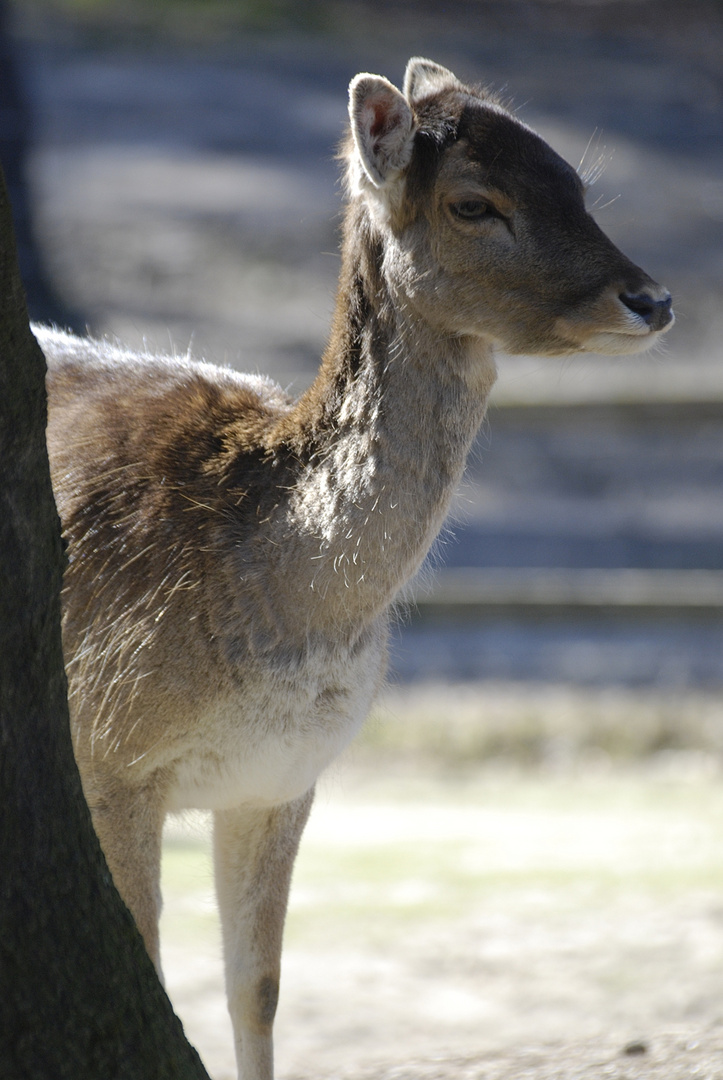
column 79, row 997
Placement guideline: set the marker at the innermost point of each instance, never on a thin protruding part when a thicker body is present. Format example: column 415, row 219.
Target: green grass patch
column 451, row 855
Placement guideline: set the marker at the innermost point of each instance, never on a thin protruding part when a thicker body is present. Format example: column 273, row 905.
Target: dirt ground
column 496, row 923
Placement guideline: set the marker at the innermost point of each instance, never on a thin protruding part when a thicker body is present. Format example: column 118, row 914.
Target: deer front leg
column 129, row 824
column 254, row 853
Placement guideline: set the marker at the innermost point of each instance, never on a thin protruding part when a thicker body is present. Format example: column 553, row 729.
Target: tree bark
column 79, row 997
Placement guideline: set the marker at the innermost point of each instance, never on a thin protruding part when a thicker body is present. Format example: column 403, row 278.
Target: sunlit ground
column 452, row 910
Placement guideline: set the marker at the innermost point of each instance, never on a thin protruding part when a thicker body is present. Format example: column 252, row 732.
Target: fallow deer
column 234, row 554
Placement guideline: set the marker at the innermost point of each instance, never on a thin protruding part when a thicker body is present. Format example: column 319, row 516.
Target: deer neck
column 383, row 435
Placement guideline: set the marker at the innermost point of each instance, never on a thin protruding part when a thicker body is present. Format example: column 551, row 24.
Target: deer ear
column 424, row 77
column 382, row 126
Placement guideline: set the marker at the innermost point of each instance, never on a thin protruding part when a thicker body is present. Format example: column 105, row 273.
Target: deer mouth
column 611, row 343
column 621, row 323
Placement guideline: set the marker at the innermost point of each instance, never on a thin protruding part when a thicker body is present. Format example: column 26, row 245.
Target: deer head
column 485, row 229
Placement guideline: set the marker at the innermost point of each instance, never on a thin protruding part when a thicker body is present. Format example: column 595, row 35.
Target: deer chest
column 267, row 742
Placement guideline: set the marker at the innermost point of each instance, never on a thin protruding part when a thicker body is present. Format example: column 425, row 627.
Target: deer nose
column 657, row 313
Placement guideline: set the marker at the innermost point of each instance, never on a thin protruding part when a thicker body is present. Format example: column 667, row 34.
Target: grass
column 444, row 852
column 414, row 847
column 507, row 785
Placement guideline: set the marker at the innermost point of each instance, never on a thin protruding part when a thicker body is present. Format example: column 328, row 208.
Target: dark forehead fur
column 511, row 157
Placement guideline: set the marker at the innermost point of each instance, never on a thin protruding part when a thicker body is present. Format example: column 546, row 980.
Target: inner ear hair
column 382, row 127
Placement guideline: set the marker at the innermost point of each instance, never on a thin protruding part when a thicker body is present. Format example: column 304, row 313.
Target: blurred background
column 555, row 688
column 173, row 171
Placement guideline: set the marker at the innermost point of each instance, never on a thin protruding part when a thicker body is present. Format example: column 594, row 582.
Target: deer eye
column 474, row 210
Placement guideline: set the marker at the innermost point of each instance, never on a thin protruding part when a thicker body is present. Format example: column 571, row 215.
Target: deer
column 235, row 554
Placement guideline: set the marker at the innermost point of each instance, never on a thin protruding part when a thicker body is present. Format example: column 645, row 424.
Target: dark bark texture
column 79, row 997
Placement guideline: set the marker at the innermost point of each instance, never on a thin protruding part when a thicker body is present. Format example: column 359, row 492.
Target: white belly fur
column 268, row 744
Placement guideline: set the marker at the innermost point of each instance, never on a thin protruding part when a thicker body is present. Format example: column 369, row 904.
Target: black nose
column 657, row 313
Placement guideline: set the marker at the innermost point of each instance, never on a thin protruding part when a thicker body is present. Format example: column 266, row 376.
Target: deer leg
column 254, row 852
column 129, row 824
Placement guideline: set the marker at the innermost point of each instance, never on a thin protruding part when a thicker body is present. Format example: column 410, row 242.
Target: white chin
column 612, row 344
